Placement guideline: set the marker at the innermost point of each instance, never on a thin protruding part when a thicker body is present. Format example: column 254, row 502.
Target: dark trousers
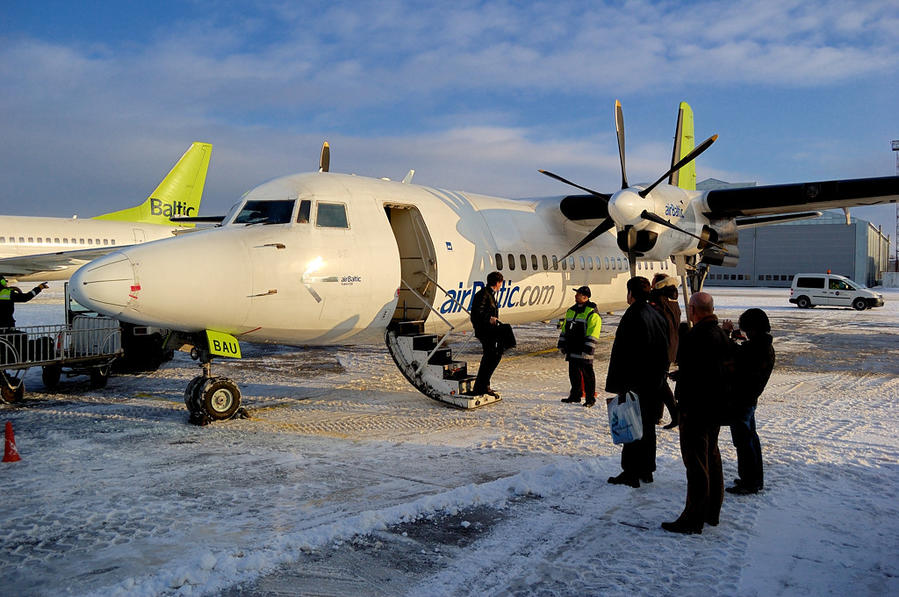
column 582, row 378
column 489, row 361
column 749, row 449
column 638, row 458
column 705, row 480
column 667, row 398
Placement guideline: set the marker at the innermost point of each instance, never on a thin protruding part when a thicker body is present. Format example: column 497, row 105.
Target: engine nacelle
column 723, row 232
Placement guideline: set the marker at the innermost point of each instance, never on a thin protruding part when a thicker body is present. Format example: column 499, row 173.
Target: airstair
column 428, row 364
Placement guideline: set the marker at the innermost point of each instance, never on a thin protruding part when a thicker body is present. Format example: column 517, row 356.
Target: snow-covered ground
column 347, row 481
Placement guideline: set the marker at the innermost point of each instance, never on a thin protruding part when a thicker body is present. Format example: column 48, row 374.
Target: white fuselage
column 316, row 283
column 25, row 235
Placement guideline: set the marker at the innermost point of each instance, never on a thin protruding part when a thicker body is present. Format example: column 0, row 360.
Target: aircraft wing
column 47, row 262
column 789, row 198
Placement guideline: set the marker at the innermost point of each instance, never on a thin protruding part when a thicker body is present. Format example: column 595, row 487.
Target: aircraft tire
column 192, row 392
column 220, row 398
column 50, row 375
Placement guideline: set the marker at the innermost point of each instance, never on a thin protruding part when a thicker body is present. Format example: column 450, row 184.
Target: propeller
column 628, row 235
column 324, row 162
column 683, row 162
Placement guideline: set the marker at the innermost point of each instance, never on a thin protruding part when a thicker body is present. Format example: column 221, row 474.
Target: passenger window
column 555, row 262
column 90, row 241
column 534, row 262
column 571, row 263
column 524, row 262
column 21, row 239
column 583, row 263
column 564, row 265
column 31, row 239
column 80, row 241
column 331, row 215
column 40, row 240
column 105, row 241
column 590, row 263
column 2, row 239
column 545, row 263
column 56, row 240
column 304, row 212
column 65, row 241
column 499, row 261
column 265, row 212
column 112, row 242
column 511, row 261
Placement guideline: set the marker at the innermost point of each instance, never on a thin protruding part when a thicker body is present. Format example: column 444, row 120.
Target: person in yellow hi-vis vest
column 9, row 296
column 580, row 334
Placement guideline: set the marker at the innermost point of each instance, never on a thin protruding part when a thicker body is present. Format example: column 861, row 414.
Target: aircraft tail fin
column 178, row 194
column 684, row 141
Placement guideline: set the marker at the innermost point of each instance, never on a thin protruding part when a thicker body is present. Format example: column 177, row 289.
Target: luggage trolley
column 86, row 346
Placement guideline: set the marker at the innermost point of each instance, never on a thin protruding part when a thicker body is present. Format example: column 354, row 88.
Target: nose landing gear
column 211, row 398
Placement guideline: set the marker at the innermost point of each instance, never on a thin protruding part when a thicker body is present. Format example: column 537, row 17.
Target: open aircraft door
column 418, row 262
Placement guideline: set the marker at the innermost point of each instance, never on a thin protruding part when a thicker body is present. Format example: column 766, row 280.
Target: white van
column 811, row 290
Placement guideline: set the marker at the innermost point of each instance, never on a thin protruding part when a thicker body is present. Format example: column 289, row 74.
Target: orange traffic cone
column 10, row 454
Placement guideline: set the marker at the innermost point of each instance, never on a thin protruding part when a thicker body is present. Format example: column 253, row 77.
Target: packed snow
column 345, row 480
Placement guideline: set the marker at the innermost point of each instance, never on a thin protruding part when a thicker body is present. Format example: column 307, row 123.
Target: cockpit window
column 331, row 215
column 265, row 212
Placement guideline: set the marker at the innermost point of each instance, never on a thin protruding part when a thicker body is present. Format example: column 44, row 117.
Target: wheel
column 220, row 397
column 803, row 302
column 50, row 375
column 859, row 304
column 12, row 389
column 99, row 376
column 190, row 393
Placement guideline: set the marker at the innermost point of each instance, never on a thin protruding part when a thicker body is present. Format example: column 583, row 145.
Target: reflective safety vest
column 580, row 333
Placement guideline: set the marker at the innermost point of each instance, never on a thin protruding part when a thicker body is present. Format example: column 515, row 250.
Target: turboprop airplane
column 324, row 258
column 51, row 248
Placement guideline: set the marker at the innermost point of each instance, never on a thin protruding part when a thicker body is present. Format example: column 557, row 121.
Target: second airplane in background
column 52, row 248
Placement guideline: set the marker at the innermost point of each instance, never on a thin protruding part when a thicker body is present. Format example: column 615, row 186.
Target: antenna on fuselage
column 409, row 176
column 324, row 162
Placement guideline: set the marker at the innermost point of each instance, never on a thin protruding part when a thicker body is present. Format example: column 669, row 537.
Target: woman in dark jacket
column 754, row 361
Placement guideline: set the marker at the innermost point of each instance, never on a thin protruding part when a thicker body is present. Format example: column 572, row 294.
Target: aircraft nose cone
column 104, row 285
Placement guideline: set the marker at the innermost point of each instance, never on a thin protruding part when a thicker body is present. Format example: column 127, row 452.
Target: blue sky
column 100, row 98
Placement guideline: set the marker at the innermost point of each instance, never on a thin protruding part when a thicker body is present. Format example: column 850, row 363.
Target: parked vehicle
column 811, row 290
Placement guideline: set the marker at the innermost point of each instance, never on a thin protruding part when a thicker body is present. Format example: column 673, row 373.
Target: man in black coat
column 705, row 364
column 638, row 363
column 754, row 361
column 485, row 320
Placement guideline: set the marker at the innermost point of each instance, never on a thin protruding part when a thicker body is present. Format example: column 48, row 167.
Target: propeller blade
column 606, row 225
column 324, row 162
column 619, row 128
column 683, row 162
column 603, row 196
column 660, row 220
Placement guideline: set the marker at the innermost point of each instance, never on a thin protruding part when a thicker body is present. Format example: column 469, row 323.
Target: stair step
column 455, row 370
column 442, row 356
column 424, row 342
column 405, row 328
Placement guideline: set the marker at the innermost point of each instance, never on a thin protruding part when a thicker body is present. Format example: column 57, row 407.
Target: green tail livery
column 178, row 195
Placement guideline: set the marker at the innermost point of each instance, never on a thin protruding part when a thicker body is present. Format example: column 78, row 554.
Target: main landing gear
column 211, row 398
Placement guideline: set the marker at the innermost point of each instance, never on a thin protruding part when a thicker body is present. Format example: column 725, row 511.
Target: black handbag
column 505, row 337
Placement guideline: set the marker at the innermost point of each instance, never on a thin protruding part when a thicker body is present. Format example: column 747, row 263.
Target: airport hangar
column 772, row 255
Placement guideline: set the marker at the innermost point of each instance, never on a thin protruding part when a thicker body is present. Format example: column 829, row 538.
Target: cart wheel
column 11, row 389
column 221, row 398
column 50, row 375
column 99, row 376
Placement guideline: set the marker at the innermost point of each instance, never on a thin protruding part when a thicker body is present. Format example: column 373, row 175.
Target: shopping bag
column 625, row 421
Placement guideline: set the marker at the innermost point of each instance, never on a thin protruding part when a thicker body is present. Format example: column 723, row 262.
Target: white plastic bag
column 625, row 421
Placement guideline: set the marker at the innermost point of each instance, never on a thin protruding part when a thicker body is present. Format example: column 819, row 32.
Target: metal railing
column 36, row 345
column 430, row 307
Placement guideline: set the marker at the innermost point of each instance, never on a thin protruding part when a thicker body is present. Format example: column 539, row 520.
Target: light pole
column 895, row 145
